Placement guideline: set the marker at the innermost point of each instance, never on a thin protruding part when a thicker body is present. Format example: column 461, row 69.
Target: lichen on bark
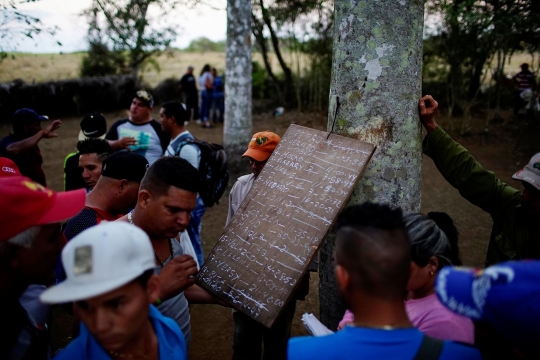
column 376, row 79
column 238, row 122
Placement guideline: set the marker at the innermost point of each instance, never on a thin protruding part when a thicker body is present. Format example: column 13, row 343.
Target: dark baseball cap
column 125, row 165
column 93, row 125
column 27, row 116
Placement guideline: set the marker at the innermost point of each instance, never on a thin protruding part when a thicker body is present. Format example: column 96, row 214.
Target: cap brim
column 66, row 205
column 84, row 137
column 257, row 155
column 528, row 177
column 69, row 291
column 454, row 290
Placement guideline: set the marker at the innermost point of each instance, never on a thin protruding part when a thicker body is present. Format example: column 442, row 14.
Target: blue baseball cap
column 27, row 116
column 506, row 295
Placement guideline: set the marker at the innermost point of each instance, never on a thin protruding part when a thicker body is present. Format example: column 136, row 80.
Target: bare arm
column 122, row 143
column 32, row 141
column 197, row 295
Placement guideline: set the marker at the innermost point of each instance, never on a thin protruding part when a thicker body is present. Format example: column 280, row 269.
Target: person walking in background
column 372, row 267
column 525, row 82
column 188, row 85
column 148, row 138
column 206, row 83
column 218, row 98
column 22, row 147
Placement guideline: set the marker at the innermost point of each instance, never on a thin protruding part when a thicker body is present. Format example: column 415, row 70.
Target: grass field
column 44, row 67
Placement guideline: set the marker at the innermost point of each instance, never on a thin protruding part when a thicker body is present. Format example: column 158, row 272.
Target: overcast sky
column 192, row 23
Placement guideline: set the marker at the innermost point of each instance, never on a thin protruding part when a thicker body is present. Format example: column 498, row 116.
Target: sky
column 207, row 21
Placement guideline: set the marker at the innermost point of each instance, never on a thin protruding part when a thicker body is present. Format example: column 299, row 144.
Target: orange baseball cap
column 8, row 168
column 262, row 145
column 25, row 203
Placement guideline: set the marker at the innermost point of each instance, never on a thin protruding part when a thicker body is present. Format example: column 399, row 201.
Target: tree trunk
column 237, row 130
column 375, row 87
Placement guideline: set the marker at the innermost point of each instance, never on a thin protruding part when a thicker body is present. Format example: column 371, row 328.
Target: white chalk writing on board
column 268, row 244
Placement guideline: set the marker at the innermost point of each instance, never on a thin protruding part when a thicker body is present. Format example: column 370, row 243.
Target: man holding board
column 249, row 335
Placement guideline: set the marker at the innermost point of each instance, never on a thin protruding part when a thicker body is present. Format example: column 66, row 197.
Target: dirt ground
column 212, row 325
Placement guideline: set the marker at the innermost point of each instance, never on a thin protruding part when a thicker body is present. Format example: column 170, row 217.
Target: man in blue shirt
column 110, row 279
column 372, row 270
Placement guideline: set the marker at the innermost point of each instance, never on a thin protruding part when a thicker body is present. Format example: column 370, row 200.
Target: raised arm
column 28, row 143
column 461, row 170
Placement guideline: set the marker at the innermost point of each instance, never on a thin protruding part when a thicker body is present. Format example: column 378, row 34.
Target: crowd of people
column 120, row 249
column 212, row 97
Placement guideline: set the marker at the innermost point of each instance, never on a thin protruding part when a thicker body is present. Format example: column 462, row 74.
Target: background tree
column 126, row 25
column 374, row 92
column 286, row 25
column 14, row 23
column 237, row 129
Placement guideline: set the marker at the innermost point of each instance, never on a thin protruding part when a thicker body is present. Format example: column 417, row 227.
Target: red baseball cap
column 8, row 168
column 25, row 203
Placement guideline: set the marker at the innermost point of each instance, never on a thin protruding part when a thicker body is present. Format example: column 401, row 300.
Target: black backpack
column 213, row 168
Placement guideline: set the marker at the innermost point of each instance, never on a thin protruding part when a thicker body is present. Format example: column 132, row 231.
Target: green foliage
column 204, row 44
column 15, row 23
column 127, row 26
column 100, row 61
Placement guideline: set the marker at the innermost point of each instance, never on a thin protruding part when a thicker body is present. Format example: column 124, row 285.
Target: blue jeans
column 194, row 229
column 206, row 104
column 218, row 104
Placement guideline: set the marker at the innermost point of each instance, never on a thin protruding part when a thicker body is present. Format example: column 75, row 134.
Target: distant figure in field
column 372, row 266
column 218, row 98
column 188, row 85
column 21, row 146
column 206, row 83
column 515, row 213
column 525, row 82
column 146, row 137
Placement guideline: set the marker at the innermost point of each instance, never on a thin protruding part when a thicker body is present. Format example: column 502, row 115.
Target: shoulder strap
column 181, row 141
column 430, row 349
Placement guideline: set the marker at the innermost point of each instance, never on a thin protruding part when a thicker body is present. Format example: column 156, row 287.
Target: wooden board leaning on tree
column 277, row 230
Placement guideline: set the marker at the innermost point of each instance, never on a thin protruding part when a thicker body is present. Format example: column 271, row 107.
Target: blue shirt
column 366, row 343
column 171, row 341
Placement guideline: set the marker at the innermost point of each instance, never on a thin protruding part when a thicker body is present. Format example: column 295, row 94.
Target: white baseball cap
column 531, row 172
column 101, row 259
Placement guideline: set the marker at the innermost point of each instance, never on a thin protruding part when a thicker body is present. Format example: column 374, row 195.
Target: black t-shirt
column 189, row 86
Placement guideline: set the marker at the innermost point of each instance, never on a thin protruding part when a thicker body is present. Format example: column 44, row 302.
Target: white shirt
column 189, row 152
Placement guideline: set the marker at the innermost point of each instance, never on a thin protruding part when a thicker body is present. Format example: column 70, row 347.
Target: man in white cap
column 515, row 213
column 110, row 279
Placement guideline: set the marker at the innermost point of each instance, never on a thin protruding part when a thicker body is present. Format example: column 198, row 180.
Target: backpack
column 213, row 168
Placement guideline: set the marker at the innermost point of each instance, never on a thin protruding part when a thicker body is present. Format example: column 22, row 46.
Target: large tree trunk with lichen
column 238, row 124
column 374, row 91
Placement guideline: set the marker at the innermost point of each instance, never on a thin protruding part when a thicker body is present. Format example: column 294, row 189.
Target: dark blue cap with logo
column 27, row 116
column 506, row 295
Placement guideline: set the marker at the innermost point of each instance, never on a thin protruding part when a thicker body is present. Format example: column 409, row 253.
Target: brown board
column 277, row 230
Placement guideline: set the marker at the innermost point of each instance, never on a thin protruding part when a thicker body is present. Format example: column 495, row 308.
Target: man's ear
column 153, row 288
column 144, row 198
column 343, row 278
column 122, row 185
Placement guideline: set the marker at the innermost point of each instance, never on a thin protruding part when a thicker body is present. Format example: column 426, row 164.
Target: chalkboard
column 276, row 231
